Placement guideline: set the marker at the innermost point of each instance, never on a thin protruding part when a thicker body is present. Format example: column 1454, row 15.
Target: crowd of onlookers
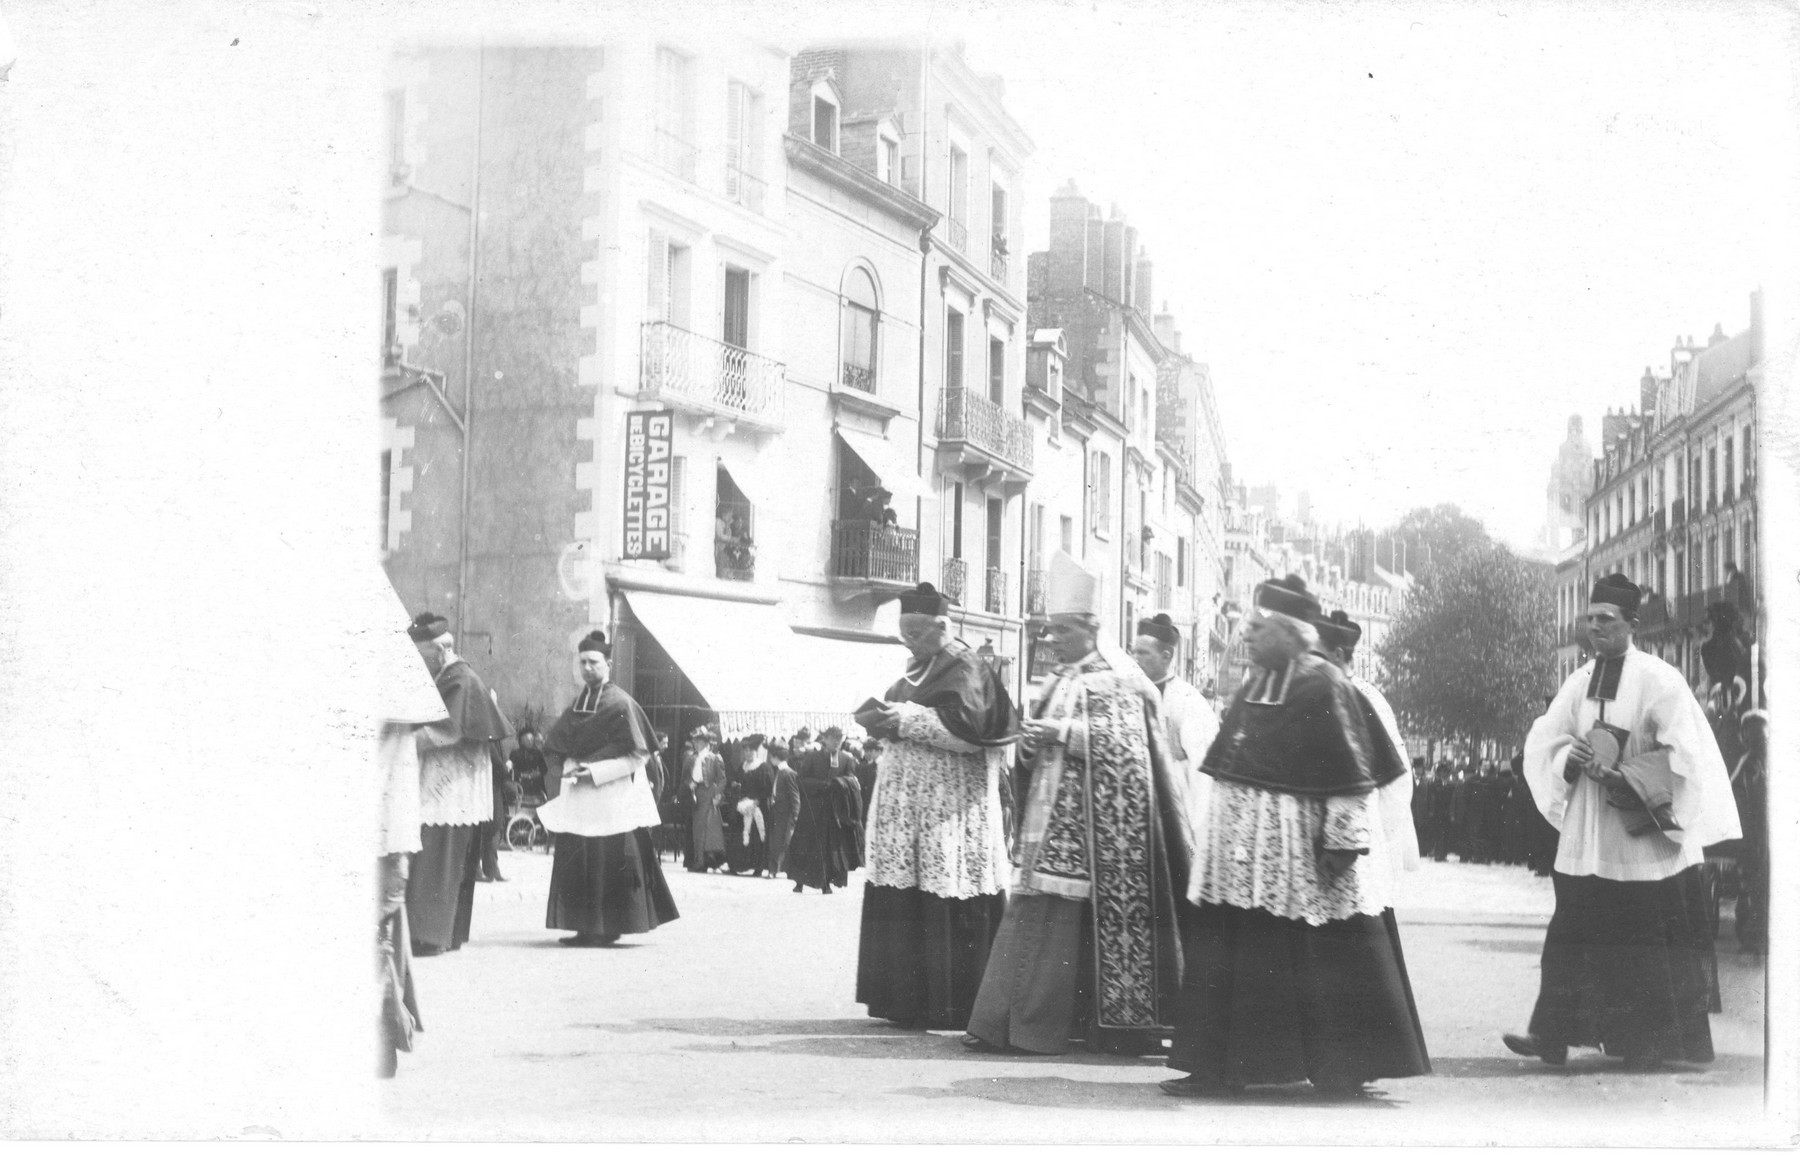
column 1480, row 812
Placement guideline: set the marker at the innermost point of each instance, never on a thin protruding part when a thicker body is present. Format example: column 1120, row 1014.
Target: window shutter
column 734, row 138
column 678, row 509
column 657, row 299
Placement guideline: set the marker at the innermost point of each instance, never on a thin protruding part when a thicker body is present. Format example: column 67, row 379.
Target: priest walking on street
column 936, row 883
column 1294, row 969
column 606, row 880
column 1090, row 946
column 1624, row 765
column 456, row 793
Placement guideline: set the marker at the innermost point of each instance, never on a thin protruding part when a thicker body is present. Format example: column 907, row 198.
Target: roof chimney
column 1718, row 335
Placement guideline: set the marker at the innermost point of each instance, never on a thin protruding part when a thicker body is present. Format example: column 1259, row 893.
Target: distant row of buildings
column 1670, row 501
column 719, row 347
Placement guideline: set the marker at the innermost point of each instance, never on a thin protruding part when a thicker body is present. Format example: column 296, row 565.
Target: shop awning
column 755, row 671
column 894, row 462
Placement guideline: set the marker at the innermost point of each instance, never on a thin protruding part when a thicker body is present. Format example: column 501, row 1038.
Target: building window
column 958, row 199
column 825, row 124
column 887, row 160
column 1101, row 488
column 1729, row 476
column 735, row 327
column 956, row 519
column 953, row 350
column 996, row 522
column 387, row 493
column 1181, row 555
column 997, row 220
column 396, row 132
column 1729, row 545
column 1712, row 477
column 861, row 317
column 996, row 371
column 734, row 530
column 674, row 119
column 1068, row 535
column 390, row 316
column 668, row 267
column 743, row 157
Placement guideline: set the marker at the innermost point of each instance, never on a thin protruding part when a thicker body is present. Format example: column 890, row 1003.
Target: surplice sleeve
column 1547, row 749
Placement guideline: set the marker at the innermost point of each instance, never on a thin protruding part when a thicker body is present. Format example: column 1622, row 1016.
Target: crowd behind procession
column 1115, row 865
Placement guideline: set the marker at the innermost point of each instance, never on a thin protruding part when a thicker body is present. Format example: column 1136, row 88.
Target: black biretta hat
column 596, row 640
column 1288, row 596
column 1338, row 632
column 924, row 599
column 1620, row 591
column 1161, row 629
column 428, row 626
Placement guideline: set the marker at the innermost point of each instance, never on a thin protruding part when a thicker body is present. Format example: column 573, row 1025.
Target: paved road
column 736, row 1023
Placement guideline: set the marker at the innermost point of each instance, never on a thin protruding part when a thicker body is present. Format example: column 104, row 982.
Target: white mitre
column 1074, row 589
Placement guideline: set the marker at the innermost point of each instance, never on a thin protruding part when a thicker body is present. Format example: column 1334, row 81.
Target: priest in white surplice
column 1188, row 719
column 1624, row 765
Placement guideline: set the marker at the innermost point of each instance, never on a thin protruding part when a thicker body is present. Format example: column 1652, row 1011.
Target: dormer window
column 825, row 113
column 887, row 157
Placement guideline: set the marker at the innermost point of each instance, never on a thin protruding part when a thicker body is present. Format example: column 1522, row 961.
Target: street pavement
column 737, row 1022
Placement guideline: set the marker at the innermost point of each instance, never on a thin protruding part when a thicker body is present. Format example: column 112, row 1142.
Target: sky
column 1412, row 240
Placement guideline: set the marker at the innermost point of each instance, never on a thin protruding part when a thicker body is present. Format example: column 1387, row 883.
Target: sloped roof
column 1718, row 366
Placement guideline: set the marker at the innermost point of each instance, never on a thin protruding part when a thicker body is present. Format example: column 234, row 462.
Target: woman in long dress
column 706, row 776
column 824, row 848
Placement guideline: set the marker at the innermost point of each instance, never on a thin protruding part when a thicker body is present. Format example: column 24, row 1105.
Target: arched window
column 860, row 323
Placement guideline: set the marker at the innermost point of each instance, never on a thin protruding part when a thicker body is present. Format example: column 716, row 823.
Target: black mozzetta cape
column 1314, row 741
column 966, row 694
column 602, row 723
column 473, row 711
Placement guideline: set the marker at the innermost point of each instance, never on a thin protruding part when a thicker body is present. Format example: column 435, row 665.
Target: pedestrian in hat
column 1294, row 969
column 704, row 773
column 1628, row 964
column 606, row 880
column 456, row 792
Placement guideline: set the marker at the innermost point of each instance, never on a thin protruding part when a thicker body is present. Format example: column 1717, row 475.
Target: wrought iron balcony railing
column 680, row 366
column 970, row 417
column 743, row 187
column 674, row 153
column 859, row 376
column 957, row 233
column 956, row 579
column 996, row 591
column 862, row 549
column 1037, row 588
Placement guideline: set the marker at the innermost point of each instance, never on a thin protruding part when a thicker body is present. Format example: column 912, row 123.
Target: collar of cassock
column 588, row 701
column 1270, row 687
column 1603, row 682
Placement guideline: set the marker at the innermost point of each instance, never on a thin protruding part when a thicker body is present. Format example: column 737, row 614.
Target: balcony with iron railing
column 995, row 589
column 1037, row 590
column 957, row 233
column 673, row 153
column 700, row 374
column 956, row 579
column 856, row 376
column 863, row 550
column 744, row 187
column 980, row 430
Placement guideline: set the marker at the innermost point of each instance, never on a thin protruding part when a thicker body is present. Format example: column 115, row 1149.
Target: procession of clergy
column 1217, row 890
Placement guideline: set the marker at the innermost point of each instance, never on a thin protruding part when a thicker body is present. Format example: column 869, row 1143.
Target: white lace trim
column 935, row 820
column 1261, row 851
column 456, row 785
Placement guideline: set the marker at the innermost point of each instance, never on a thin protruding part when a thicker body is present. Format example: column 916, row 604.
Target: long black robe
column 746, row 846
column 824, row 848
column 605, row 885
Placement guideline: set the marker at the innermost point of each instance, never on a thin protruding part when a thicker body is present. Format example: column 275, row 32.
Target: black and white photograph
column 1018, row 573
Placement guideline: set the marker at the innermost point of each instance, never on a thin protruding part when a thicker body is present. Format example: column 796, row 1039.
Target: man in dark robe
column 456, row 792
column 1628, row 962
column 784, row 806
column 1294, row 968
column 823, row 851
column 935, row 891
column 606, row 880
column 1089, row 949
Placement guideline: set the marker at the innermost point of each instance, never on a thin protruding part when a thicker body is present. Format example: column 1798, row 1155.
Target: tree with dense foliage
column 1470, row 654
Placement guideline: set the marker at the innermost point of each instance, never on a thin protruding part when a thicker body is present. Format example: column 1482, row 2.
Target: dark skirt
column 1267, row 1000
column 608, row 885
column 922, row 956
column 1630, row 968
column 821, row 853
column 781, row 833
column 440, row 892
column 739, row 855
